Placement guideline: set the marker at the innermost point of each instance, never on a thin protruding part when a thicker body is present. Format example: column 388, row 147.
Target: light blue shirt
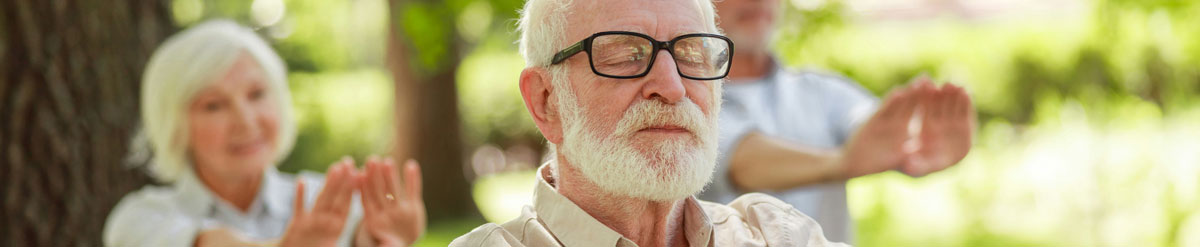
column 806, row 108
column 173, row 215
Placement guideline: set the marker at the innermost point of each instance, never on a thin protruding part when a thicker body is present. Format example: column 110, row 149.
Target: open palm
column 878, row 145
column 947, row 127
column 947, row 123
column 394, row 213
column 323, row 223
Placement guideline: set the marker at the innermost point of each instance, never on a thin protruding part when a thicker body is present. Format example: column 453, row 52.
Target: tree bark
column 428, row 125
column 71, row 74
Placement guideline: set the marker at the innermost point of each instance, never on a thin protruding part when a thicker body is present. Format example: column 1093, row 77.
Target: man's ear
column 536, row 87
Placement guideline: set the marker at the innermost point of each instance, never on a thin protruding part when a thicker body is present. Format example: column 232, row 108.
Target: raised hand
column 323, row 223
column 393, row 211
column 947, row 127
column 878, row 145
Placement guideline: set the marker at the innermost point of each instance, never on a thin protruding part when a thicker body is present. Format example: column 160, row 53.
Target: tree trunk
column 71, row 74
column 428, row 126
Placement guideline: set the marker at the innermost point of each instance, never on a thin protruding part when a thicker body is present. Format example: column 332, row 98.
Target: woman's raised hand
column 394, row 213
column 323, row 223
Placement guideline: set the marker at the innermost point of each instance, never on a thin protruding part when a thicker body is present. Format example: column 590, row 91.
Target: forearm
column 764, row 163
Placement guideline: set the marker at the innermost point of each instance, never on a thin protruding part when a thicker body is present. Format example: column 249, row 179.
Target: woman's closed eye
column 257, row 94
column 212, row 105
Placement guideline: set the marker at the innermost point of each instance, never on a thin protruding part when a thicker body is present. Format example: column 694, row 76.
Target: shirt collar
column 698, row 229
column 277, row 191
column 574, row 227
column 198, row 199
column 195, row 198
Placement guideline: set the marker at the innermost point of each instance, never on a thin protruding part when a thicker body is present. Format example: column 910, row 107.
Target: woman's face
column 233, row 123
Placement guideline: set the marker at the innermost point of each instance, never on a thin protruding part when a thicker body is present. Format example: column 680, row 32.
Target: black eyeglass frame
column 585, row 45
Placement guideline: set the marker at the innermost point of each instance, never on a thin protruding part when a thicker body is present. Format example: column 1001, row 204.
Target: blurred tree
column 69, row 99
column 428, row 124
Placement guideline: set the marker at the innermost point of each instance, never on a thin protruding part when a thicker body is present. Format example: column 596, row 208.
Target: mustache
column 652, row 113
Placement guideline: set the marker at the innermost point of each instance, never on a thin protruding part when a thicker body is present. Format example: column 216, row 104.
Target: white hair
column 185, row 64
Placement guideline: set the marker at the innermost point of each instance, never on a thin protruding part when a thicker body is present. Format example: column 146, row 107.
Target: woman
column 217, row 114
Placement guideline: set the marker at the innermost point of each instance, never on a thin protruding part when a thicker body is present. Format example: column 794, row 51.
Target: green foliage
column 436, row 28
column 340, row 114
column 492, row 108
column 426, row 26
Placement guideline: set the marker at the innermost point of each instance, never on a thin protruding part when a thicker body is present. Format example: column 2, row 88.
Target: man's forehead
column 662, row 19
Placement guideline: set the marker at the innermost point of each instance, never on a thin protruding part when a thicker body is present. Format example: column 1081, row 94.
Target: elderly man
column 800, row 135
column 628, row 93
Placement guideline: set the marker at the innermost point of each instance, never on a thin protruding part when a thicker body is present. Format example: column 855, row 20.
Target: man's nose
column 663, row 83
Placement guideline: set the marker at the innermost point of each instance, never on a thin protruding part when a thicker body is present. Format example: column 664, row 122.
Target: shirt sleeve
column 144, row 219
column 849, row 106
column 776, row 222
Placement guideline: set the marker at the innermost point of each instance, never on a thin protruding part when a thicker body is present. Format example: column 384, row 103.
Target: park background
column 1089, row 120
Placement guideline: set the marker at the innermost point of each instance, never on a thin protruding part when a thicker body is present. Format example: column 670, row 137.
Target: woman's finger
column 378, row 192
column 330, row 177
column 298, row 200
column 365, row 192
column 412, row 180
column 391, row 177
column 333, row 182
column 344, row 189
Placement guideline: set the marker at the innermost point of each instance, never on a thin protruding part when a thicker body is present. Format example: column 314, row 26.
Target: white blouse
column 173, row 215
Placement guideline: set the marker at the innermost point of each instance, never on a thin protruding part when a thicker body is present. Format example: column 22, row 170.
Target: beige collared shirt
column 553, row 220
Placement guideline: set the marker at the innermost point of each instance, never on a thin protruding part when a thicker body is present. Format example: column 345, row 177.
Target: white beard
column 670, row 170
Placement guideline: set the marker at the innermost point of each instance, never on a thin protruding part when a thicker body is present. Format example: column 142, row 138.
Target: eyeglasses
column 618, row 54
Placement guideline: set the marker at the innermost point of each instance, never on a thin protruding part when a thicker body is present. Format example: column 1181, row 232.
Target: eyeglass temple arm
column 566, row 53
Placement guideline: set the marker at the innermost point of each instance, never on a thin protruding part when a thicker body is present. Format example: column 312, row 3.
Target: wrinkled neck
column 646, row 222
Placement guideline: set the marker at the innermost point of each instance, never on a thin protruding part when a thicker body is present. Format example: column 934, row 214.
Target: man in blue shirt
column 800, row 136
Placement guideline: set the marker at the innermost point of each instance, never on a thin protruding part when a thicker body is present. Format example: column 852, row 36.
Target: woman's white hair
column 543, row 26
column 185, row 64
